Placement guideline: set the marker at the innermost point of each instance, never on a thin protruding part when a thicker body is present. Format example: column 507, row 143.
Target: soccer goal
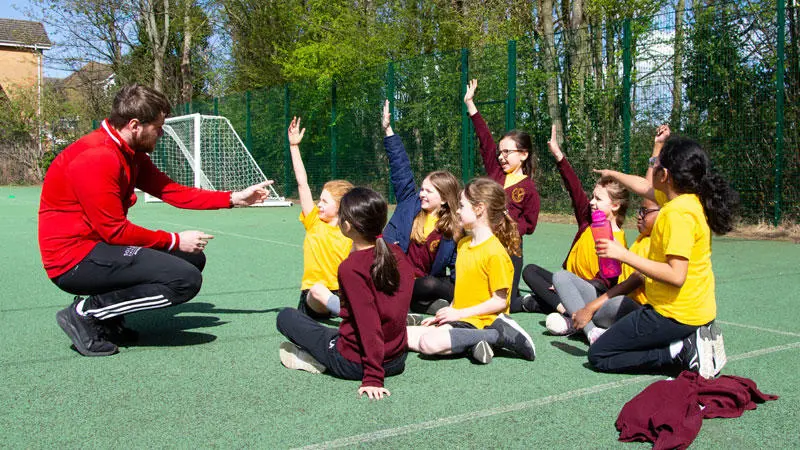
column 205, row 152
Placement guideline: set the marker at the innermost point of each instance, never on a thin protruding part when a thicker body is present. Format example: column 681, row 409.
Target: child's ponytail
column 690, row 168
column 508, row 233
column 365, row 211
column 384, row 269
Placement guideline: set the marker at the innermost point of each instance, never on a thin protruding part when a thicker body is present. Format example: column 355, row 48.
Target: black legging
column 429, row 289
column 539, row 281
column 125, row 279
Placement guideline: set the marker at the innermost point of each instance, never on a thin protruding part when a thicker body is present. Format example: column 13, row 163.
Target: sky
column 16, row 9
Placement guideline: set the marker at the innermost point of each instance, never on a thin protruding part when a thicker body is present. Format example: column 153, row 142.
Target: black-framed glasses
column 643, row 212
column 508, row 151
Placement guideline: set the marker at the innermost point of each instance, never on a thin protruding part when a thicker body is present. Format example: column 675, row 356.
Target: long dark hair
column 522, row 141
column 365, row 211
column 690, row 168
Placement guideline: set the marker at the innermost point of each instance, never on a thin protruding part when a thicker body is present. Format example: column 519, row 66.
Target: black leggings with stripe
column 124, row 279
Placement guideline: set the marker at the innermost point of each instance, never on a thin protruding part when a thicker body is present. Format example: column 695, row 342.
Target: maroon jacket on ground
column 373, row 328
column 87, row 193
column 668, row 413
column 522, row 199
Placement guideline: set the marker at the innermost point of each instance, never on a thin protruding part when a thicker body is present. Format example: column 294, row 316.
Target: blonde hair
column 617, row 194
column 338, row 189
column 493, row 197
column 448, row 187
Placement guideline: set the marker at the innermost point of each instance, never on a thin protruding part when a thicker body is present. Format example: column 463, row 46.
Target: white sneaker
column 559, row 325
column 595, row 333
column 712, row 342
column 294, row 357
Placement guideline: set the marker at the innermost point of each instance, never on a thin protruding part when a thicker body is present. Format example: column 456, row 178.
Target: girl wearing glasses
column 608, row 196
column 677, row 325
column 511, row 164
column 587, row 312
column 592, row 314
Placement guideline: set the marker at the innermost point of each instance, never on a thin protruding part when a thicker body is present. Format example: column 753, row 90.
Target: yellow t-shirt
column 481, row 270
column 682, row 230
column 582, row 259
column 512, row 179
column 324, row 248
column 641, row 247
column 429, row 225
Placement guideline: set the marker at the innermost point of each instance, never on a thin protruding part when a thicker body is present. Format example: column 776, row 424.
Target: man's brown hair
column 137, row 102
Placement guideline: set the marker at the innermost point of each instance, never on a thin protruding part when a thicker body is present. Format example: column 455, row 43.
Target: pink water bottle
column 601, row 229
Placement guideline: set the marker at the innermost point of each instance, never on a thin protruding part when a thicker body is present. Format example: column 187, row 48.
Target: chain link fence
column 726, row 75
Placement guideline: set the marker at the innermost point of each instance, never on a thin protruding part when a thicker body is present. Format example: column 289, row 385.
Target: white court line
column 445, row 421
column 753, row 327
column 192, row 227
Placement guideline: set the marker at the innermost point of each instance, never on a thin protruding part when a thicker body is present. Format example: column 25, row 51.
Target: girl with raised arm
column 609, row 197
column 424, row 225
column 511, row 163
column 324, row 246
column 677, row 324
column 477, row 321
column 587, row 312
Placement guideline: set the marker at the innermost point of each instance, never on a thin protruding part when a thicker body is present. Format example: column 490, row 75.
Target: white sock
column 675, row 348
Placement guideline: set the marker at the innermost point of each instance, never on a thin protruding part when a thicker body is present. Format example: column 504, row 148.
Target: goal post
column 206, row 152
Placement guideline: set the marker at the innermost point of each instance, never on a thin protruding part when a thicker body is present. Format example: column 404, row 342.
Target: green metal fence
column 716, row 75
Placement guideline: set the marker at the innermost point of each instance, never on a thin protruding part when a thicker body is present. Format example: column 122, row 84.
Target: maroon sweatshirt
column 668, row 413
column 373, row 328
column 522, row 199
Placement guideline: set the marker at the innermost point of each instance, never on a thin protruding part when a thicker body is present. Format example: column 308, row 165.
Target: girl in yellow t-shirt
column 608, row 196
column 676, row 326
column 324, row 246
column 476, row 320
column 592, row 314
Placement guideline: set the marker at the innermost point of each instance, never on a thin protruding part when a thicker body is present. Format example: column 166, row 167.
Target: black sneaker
column 689, row 358
column 86, row 333
column 118, row 332
column 697, row 354
column 513, row 337
column 482, row 352
column 436, row 305
column 530, row 305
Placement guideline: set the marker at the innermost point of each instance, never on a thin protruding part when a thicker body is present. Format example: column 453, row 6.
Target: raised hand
column 552, row 144
column 256, row 193
column 662, row 133
column 472, row 85
column 193, row 241
column 386, row 119
column 295, row 133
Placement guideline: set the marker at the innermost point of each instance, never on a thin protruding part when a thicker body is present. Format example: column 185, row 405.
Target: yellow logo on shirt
column 517, row 194
column 434, row 245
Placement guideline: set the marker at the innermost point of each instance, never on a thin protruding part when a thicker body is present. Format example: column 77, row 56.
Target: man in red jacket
column 88, row 246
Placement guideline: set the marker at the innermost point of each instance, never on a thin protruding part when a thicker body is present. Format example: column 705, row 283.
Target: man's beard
column 139, row 145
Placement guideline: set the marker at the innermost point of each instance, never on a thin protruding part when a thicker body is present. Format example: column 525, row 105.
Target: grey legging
column 575, row 293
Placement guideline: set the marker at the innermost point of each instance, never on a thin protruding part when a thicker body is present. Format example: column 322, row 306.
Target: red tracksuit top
column 88, row 190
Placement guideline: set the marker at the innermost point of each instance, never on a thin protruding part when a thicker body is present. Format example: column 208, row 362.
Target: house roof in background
column 23, row 33
column 91, row 73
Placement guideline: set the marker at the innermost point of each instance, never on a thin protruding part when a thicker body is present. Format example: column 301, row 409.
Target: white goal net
column 205, row 152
